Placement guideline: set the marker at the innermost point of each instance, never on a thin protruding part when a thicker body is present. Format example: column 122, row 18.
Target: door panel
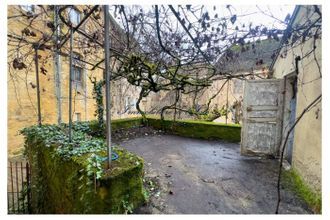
column 262, row 117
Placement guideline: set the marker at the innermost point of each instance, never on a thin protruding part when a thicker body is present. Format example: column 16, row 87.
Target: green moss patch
column 94, row 129
column 198, row 129
column 293, row 181
column 186, row 128
column 126, row 123
column 71, row 177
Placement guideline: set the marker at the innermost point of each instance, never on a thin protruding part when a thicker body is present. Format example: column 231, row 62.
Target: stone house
column 54, row 73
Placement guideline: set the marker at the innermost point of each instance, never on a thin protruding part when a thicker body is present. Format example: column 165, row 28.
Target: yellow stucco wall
column 22, row 98
column 307, row 147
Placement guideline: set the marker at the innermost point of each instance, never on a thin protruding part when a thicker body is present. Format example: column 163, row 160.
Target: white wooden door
column 262, row 117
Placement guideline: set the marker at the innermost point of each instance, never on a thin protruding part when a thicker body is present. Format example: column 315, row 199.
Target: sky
column 278, row 11
column 253, row 13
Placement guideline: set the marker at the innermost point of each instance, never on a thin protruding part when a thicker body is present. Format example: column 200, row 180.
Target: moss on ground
column 293, row 181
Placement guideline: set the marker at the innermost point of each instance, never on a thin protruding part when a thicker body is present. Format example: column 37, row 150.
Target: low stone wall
column 186, row 128
column 126, row 123
column 69, row 185
column 199, row 129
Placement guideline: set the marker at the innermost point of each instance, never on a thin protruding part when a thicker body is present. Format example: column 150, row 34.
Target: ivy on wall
column 81, row 144
column 70, row 177
column 98, row 96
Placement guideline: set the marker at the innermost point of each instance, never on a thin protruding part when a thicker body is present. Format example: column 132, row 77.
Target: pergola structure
column 106, row 45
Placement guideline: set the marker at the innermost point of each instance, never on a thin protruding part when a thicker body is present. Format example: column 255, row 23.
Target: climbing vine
column 98, row 96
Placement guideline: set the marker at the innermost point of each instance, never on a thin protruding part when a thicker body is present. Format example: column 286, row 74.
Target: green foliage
column 92, row 128
column 128, row 207
column 292, row 180
column 81, row 144
column 198, row 129
column 94, row 165
column 209, row 114
column 146, row 194
column 98, row 96
column 213, row 114
column 71, row 177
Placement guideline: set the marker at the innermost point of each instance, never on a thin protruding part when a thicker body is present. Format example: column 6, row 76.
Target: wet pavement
column 209, row 177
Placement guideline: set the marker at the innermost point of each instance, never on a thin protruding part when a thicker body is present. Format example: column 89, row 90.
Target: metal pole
column 227, row 102
column 28, row 180
column 22, row 187
column 17, row 187
column 12, row 188
column 70, row 86
column 36, row 60
column 57, row 66
column 107, row 81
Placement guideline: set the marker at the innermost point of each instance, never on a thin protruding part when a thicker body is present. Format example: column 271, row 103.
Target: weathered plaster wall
column 307, row 147
column 22, row 104
column 155, row 101
column 22, row 94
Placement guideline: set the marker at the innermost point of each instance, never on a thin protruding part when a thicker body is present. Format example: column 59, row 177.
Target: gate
column 18, row 187
column 262, row 117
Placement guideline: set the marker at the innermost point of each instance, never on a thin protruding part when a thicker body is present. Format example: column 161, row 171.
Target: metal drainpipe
column 107, row 82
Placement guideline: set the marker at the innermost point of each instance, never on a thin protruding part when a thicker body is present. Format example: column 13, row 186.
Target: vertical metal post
column 12, row 188
column 107, row 81
column 57, row 66
column 70, row 86
column 28, row 180
column 8, row 202
column 227, row 103
column 22, row 188
column 17, row 188
column 36, row 61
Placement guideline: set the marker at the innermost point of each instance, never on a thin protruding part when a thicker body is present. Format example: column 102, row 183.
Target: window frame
column 74, row 77
column 78, row 116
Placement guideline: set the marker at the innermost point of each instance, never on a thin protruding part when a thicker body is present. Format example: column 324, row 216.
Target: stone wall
column 22, row 95
column 68, row 183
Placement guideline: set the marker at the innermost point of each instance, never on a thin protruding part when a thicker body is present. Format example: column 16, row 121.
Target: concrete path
column 209, row 177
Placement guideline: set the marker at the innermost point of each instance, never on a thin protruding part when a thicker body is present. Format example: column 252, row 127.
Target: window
column 130, row 103
column 77, row 70
column 133, row 103
column 74, row 16
column 127, row 102
column 78, row 116
column 28, row 8
column 77, row 74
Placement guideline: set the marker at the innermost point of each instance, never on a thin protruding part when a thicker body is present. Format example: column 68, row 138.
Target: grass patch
column 293, row 181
